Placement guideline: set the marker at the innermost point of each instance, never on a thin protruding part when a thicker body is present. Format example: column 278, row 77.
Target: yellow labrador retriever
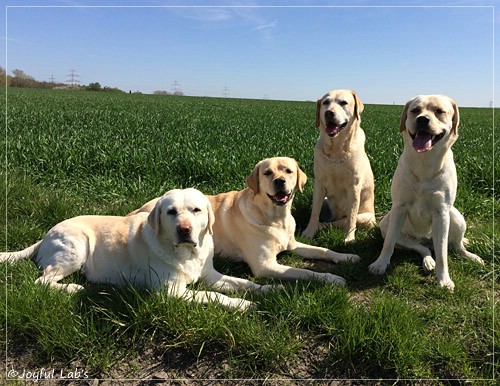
column 256, row 223
column 170, row 247
column 424, row 189
column 342, row 171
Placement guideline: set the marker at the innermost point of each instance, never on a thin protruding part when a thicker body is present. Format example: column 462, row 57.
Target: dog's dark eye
column 440, row 111
column 326, row 102
column 289, row 171
column 268, row 172
column 342, row 103
column 416, row 110
column 172, row 212
column 196, row 210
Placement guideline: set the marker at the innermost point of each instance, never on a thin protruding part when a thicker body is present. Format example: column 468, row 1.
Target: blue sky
column 387, row 54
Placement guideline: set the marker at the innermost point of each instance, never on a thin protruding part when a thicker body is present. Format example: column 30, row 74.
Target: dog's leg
column 205, row 297
column 271, row 268
column 319, row 193
column 320, row 253
column 456, row 236
column 352, row 214
column 394, row 220
column 440, row 231
column 52, row 274
column 404, row 241
column 224, row 283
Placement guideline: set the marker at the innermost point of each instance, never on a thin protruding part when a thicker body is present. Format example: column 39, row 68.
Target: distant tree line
column 163, row 92
column 20, row 79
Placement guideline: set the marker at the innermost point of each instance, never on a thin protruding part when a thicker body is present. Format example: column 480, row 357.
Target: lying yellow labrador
column 256, row 223
column 342, row 171
column 424, row 189
column 170, row 247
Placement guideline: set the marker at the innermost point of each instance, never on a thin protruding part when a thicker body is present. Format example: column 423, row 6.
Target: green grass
column 72, row 153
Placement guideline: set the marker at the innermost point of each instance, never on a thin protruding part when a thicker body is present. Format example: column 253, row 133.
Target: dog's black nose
column 329, row 115
column 423, row 122
column 279, row 183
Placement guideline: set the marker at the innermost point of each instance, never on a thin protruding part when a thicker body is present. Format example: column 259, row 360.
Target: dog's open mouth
column 280, row 198
column 424, row 141
column 333, row 128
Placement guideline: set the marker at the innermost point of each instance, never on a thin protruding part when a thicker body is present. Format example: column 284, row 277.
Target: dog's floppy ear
column 402, row 124
column 154, row 218
column 301, row 178
column 253, row 178
column 358, row 105
column 318, row 108
column 456, row 117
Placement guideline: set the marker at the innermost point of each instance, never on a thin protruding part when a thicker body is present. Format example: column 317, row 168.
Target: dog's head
column 431, row 121
column 277, row 178
column 336, row 111
column 182, row 216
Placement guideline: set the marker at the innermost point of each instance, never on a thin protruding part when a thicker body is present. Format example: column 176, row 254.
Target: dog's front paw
column 334, row 279
column 72, row 288
column 337, row 257
column 351, row 237
column 244, row 305
column 309, row 232
column 428, row 263
column 447, row 284
column 378, row 267
column 352, row 258
column 270, row 287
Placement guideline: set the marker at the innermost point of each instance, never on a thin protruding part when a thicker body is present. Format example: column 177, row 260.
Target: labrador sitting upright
column 168, row 248
column 342, row 171
column 256, row 223
column 424, row 188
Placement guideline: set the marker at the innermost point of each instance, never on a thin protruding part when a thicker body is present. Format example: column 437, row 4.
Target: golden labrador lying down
column 170, row 247
column 424, row 189
column 342, row 171
column 256, row 223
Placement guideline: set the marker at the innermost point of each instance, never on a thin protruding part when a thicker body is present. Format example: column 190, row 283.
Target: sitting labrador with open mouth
column 424, row 188
column 256, row 223
column 342, row 171
column 168, row 248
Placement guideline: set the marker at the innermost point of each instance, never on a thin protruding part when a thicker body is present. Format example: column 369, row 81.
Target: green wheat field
column 69, row 153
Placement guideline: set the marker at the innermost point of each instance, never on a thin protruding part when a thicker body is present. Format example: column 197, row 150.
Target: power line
column 176, row 87
column 72, row 77
column 225, row 92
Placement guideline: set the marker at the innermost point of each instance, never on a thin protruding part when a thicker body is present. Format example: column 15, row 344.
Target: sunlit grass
column 71, row 153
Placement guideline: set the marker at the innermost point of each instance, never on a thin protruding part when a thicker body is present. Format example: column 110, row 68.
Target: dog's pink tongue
column 422, row 142
column 281, row 197
column 332, row 129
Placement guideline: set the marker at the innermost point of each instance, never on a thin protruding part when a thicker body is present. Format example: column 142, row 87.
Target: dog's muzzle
column 184, row 236
column 333, row 128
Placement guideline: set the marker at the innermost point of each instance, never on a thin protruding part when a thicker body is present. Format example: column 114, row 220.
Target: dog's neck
column 425, row 167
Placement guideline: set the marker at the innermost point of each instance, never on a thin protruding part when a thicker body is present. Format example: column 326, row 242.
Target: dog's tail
column 19, row 255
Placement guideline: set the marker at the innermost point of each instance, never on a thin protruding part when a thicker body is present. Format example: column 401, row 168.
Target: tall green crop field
column 70, row 153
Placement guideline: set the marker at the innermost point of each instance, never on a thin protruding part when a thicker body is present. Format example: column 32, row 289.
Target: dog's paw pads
column 428, row 263
column 377, row 269
column 270, row 287
column 334, row 279
column 308, row 234
column 353, row 258
column 447, row 284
